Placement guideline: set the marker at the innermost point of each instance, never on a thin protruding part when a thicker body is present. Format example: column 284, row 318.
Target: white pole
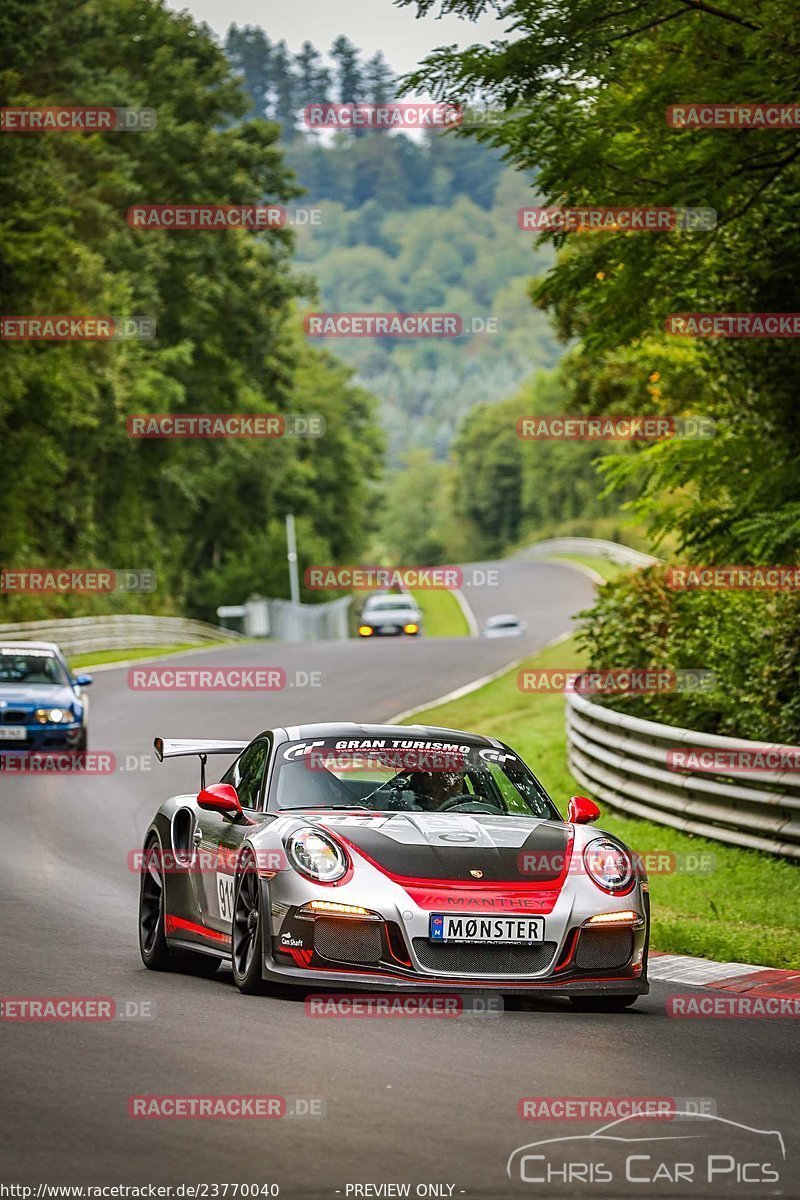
column 291, row 547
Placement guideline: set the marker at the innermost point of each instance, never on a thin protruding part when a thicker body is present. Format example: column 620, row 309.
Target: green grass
column 609, row 570
column 441, row 614
column 109, row 656
column 746, row 910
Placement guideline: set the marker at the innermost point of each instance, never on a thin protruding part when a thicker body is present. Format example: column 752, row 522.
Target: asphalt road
column 407, row 1101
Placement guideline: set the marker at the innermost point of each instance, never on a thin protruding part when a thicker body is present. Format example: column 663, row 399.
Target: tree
column 585, row 85
column 348, row 70
column 250, row 52
column 287, row 95
column 80, row 491
column 379, row 79
column 313, row 78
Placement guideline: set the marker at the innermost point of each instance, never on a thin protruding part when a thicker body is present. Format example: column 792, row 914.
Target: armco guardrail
column 82, row 635
column 623, row 761
column 594, row 547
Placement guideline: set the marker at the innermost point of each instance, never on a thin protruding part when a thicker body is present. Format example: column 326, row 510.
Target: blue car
column 42, row 705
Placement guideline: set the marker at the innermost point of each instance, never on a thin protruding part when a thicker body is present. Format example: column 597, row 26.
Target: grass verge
column 609, row 570
column 747, row 909
column 441, row 614
column 97, row 657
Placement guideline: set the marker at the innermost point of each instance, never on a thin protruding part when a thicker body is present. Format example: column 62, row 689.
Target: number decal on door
column 225, row 896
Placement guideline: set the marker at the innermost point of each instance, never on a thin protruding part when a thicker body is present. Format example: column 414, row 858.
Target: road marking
column 469, row 615
column 476, row 683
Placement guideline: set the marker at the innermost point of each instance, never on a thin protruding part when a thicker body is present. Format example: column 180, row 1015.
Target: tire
column 82, row 743
column 152, row 940
column 156, row 954
column 611, row 1003
column 247, row 933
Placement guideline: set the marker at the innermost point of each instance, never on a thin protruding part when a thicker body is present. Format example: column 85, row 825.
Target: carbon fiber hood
column 457, row 846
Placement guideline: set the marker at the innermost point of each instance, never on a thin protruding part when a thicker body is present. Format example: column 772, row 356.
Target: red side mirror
column 582, row 811
column 221, row 798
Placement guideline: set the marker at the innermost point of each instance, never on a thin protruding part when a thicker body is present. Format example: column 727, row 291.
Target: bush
column 751, row 640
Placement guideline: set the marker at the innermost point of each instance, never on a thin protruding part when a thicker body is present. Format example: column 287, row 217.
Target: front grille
column 484, row 960
column 604, row 949
column 348, row 940
column 15, row 716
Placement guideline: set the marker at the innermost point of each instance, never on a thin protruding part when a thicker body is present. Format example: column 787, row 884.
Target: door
column 222, row 837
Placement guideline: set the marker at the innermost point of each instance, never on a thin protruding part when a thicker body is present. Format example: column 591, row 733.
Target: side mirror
column 83, row 680
column 582, row 811
column 221, row 798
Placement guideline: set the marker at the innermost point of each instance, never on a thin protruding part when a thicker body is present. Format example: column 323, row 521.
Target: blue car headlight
column 54, row 716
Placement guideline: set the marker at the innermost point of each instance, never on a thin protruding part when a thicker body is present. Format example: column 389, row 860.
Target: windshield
column 389, row 604
column 27, row 667
column 406, row 775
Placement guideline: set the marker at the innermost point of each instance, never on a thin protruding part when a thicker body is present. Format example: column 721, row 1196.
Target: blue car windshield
column 23, row 668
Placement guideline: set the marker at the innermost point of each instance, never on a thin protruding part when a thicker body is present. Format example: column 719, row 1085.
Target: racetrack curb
column 727, row 977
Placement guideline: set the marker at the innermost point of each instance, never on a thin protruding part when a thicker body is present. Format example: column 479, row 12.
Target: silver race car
column 390, row 857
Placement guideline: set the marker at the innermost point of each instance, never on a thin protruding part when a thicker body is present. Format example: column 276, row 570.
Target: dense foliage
column 408, row 223
column 750, row 642
column 585, row 85
column 207, row 516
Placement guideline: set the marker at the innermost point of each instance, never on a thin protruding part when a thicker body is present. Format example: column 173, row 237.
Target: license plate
column 447, row 927
column 13, row 733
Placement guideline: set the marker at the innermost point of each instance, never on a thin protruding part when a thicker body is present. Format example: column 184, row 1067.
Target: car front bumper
column 574, row 956
column 45, row 737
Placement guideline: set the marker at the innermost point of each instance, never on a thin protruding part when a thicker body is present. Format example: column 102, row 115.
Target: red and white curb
column 726, row 977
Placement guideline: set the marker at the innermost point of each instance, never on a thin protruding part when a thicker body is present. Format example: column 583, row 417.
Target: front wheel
column 247, row 935
column 609, row 1003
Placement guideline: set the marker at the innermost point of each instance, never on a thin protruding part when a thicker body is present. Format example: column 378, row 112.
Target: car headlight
column 609, row 866
column 316, row 855
column 53, row 716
